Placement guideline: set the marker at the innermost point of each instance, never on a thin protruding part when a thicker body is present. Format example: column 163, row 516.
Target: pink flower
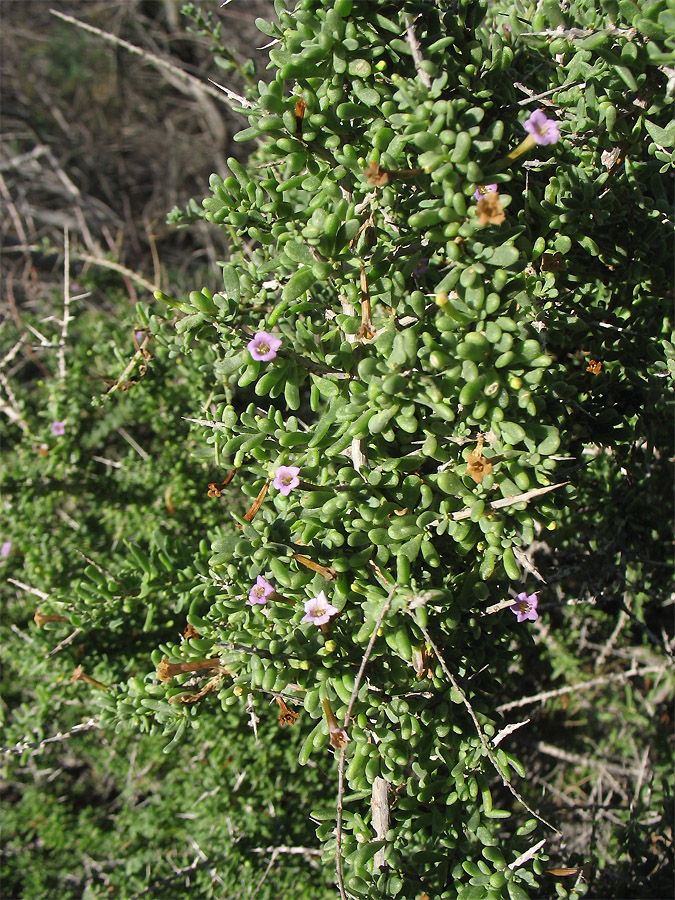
column 58, row 428
column 318, row 610
column 543, row 130
column 525, row 607
column 6, row 549
column 286, row 478
column 260, row 591
column 263, row 346
column 484, row 189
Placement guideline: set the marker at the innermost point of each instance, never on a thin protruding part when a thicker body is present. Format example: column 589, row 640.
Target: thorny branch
column 189, row 81
column 465, row 700
column 22, row 746
column 580, row 686
column 341, row 763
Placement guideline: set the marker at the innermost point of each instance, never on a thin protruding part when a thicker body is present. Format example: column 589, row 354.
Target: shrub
column 427, row 318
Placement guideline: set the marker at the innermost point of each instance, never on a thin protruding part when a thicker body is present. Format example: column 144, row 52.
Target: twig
column 21, row 746
column 61, row 352
column 527, row 855
column 465, row 700
column 505, row 732
column 577, row 761
column 27, row 587
column 640, row 778
column 580, row 686
column 242, row 101
column 189, row 81
column 9, row 356
column 416, row 51
column 64, row 643
column 138, row 355
column 611, row 640
column 509, row 501
column 265, row 874
column 117, row 267
column 341, row 763
column 532, row 97
column 250, row 708
column 130, row 440
column 379, row 809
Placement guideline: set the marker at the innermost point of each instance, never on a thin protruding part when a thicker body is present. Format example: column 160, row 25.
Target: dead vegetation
column 102, row 141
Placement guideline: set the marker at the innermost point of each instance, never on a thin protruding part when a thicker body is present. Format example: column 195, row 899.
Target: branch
column 116, row 267
column 580, row 686
column 341, row 764
column 61, row 352
column 189, row 81
column 22, row 746
column 509, row 501
column 507, row 784
column 416, row 51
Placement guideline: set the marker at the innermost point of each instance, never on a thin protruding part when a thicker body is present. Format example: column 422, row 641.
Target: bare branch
column 581, row 686
column 35, row 746
column 341, row 764
column 189, row 82
column 465, row 700
column 416, row 51
column 61, row 353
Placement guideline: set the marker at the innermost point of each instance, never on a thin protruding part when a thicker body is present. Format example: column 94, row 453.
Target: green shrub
column 434, row 349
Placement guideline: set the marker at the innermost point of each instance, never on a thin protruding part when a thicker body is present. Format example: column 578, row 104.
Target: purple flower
column 263, row 346
column 525, row 607
column 318, row 610
column 543, row 130
column 260, row 591
column 484, row 189
column 6, row 549
column 286, row 478
column 58, row 428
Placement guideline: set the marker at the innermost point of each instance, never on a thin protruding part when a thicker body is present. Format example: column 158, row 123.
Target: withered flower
column 190, row 632
column 216, row 488
column 490, row 210
column 300, row 107
column 422, row 663
column 376, row 174
column 79, row 675
column 286, row 716
column 477, row 465
column 166, row 670
column 41, row 619
column 338, row 736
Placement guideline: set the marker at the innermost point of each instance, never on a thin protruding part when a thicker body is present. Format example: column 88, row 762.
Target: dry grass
column 98, row 141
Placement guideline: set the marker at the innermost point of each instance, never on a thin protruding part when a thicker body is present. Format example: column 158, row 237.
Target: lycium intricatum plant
column 406, row 320
column 387, row 178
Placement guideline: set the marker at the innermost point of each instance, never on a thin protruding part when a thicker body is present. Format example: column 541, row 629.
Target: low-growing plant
column 427, row 387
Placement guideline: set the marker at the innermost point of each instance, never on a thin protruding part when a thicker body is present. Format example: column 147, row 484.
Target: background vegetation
column 109, row 524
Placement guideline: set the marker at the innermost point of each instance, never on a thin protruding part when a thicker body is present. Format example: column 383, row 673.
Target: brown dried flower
column 376, row 174
column 41, row 619
column 286, row 716
column 553, row 262
column 490, row 210
column 477, row 465
column 166, row 670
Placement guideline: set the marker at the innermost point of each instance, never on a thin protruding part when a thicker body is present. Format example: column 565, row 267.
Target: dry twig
column 341, row 764
column 465, row 700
